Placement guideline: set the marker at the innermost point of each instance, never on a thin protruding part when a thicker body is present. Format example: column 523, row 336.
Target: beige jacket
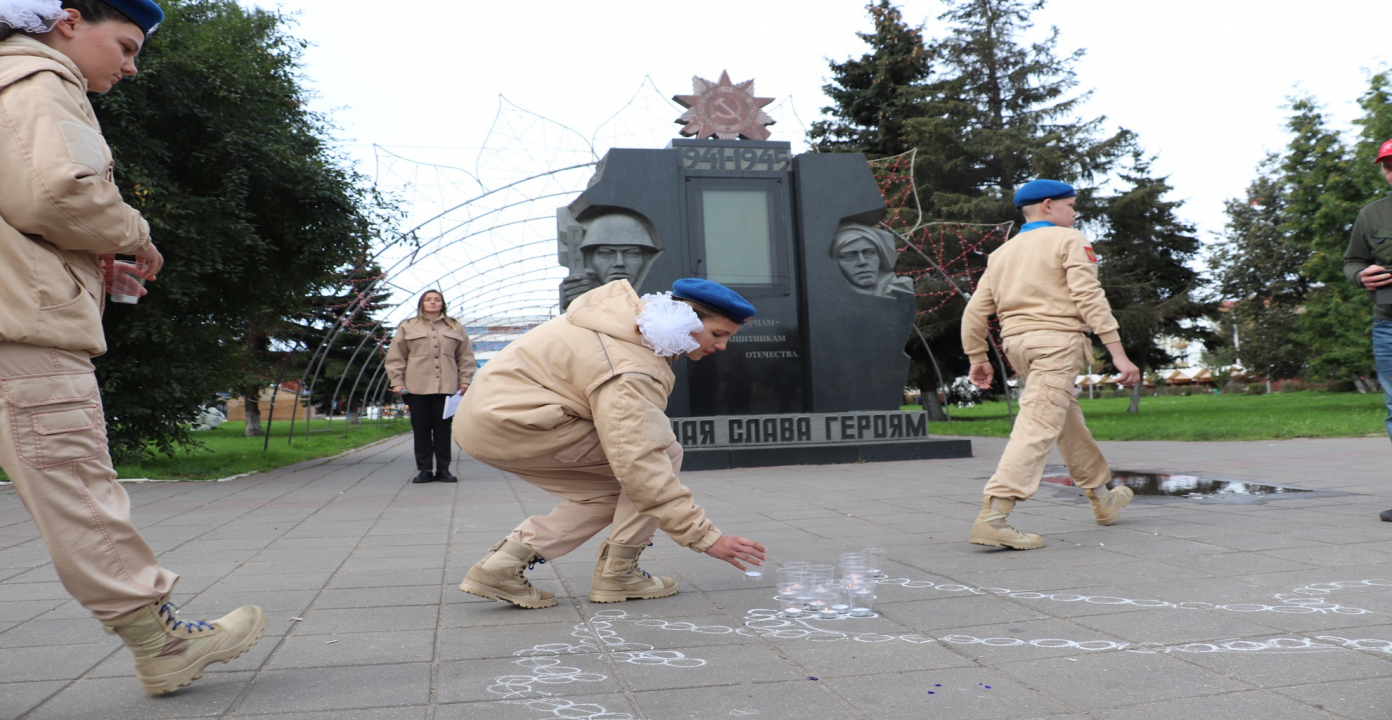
column 1042, row 279
column 59, row 209
column 431, row 358
column 583, row 387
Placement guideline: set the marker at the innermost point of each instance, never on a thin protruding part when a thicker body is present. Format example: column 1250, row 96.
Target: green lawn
column 1203, row 417
column 228, row 453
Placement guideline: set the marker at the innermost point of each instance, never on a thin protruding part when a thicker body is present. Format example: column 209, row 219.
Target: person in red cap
column 1368, row 264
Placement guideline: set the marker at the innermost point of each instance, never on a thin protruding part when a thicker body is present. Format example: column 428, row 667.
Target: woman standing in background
column 430, row 358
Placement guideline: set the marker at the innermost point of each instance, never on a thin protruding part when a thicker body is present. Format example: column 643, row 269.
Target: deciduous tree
column 255, row 213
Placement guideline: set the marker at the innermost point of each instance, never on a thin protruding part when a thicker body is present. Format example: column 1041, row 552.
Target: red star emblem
column 724, row 109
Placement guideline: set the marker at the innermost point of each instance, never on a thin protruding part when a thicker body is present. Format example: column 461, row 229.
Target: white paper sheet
column 452, row 404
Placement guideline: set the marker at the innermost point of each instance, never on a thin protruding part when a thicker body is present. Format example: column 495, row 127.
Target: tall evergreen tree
column 873, row 96
column 1322, row 197
column 1144, row 255
column 1258, row 272
column 1002, row 112
column 254, row 212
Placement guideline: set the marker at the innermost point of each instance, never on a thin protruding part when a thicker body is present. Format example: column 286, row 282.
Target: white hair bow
column 666, row 325
column 31, row 16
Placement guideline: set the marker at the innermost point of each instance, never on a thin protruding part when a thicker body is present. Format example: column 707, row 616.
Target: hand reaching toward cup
column 732, row 549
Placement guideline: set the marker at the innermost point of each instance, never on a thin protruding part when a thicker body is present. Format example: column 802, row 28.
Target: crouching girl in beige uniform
column 577, row 407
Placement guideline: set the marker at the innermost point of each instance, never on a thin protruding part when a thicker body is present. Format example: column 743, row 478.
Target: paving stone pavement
column 1275, row 609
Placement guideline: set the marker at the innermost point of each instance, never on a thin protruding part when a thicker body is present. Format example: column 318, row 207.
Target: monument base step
column 726, row 458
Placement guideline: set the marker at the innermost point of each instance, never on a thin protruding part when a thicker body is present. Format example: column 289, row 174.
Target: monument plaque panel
column 818, row 375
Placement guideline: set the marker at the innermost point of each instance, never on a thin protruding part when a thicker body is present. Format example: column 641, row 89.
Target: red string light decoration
column 948, row 258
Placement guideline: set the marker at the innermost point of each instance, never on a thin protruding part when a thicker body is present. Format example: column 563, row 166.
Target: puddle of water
column 1184, row 485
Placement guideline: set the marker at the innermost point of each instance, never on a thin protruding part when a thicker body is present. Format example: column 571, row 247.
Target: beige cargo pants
column 1048, row 363
column 593, row 500
column 53, row 447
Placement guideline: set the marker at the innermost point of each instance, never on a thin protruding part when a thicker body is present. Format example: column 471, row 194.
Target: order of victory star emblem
column 726, row 110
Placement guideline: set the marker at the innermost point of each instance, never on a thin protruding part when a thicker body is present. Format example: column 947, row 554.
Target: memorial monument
column 818, row 376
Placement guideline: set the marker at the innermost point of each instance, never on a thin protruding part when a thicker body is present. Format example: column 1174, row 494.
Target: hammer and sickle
column 726, row 112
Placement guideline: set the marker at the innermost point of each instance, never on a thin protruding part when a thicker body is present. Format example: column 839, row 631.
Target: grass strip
column 228, row 452
column 1202, row 417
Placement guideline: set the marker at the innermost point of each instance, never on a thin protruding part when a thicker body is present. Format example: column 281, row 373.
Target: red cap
column 1384, row 151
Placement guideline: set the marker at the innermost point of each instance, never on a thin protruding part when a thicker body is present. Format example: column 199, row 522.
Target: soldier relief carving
column 866, row 256
column 612, row 246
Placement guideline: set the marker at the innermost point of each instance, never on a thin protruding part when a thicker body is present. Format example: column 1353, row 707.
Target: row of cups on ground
column 828, row 592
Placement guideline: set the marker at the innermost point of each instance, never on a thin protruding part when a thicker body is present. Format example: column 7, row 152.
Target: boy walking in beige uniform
column 1042, row 286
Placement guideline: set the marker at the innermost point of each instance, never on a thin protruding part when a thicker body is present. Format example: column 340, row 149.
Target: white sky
column 1202, row 83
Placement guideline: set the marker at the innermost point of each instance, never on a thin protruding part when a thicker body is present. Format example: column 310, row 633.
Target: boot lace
column 169, row 611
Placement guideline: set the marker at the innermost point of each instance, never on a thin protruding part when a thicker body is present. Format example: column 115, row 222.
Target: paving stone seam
column 119, row 649
column 265, row 665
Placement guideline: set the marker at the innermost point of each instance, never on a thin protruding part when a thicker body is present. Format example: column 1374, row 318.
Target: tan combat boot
column 991, row 529
column 1107, row 506
column 171, row 653
column 498, row 576
column 617, row 577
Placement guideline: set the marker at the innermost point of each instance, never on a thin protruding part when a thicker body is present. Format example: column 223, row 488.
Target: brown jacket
column 583, row 386
column 430, row 358
column 1042, row 279
column 59, row 209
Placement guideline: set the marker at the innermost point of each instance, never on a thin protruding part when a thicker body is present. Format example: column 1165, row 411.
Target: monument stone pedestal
column 743, row 441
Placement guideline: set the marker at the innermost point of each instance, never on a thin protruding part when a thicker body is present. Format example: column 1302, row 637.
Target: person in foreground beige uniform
column 62, row 219
column 1042, row 286
column 577, row 408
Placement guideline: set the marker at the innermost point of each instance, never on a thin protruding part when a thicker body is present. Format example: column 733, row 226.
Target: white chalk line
column 543, row 664
column 1302, row 600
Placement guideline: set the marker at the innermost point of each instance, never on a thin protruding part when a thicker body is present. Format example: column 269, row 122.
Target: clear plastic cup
column 874, row 559
column 791, row 606
column 123, row 282
column 862, row 603
column 841, row 598
column 789, row 589
column 796, row 576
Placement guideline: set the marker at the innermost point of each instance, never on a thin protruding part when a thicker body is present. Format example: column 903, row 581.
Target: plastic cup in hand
column 123, row 282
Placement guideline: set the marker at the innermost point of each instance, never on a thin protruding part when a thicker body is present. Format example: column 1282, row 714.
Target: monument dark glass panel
column 739, row 235
column 738, row 239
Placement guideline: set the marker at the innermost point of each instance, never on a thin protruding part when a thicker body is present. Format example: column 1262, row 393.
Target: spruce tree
column 1002, row 112
column 874, row 95
column 1144, row 252
column 1322, row 197
column 1258, row 272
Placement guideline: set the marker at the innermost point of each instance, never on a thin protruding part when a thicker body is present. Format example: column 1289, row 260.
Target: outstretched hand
column 732, row 549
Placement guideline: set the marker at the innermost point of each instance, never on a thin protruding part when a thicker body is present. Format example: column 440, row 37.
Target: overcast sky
column 1202, row 83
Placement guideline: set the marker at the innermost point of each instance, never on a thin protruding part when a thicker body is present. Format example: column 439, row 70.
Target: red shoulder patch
column 1092, row 254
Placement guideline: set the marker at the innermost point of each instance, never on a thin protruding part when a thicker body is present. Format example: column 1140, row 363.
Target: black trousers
column 431, row 430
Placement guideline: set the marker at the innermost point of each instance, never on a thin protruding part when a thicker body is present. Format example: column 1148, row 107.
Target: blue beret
column 715, row 296
column 1039, row 190
column 144, row 13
